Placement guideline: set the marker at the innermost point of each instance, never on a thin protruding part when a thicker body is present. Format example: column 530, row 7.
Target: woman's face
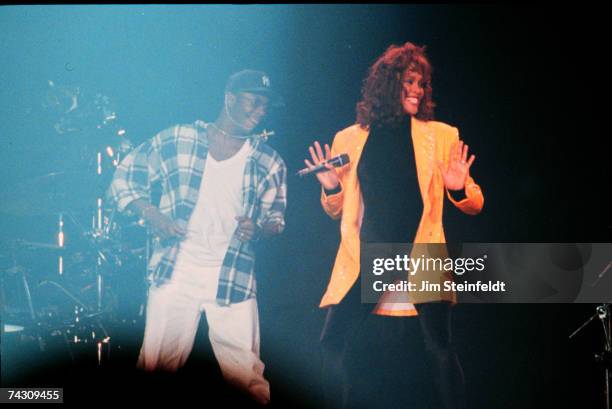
column 412, row 91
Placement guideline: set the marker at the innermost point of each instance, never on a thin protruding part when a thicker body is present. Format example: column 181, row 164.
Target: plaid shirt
column 176, row 157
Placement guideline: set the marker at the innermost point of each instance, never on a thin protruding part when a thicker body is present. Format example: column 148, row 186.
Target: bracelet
column 333, row 191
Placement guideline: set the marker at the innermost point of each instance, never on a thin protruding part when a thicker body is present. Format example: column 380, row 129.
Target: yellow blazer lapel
column 361, row 136
column 424, row 143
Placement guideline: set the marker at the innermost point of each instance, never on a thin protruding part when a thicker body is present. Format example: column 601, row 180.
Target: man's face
column 248, row 109
column 412, row 91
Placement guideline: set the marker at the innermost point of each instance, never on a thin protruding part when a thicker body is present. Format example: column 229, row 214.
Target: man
column 223, row 188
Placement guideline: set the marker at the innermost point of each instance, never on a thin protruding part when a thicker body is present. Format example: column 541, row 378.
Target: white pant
column 173, row 314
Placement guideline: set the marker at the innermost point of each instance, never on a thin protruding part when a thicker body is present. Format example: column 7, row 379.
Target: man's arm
column 131, row 187
column 273, row 222
column 134, row 175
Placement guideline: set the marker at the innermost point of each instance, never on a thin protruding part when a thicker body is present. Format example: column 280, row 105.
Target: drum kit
column 71, row 267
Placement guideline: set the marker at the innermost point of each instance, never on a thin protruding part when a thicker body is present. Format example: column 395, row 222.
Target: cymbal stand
column 101, row 258
column 94, row 237
column 26, row 289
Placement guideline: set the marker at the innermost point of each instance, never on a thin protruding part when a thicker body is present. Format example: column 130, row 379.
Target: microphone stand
column 604, row 314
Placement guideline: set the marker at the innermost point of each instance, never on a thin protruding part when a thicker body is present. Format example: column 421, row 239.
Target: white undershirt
column 213, row 221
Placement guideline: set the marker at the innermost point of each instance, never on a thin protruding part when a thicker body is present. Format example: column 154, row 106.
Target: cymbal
column 9, row 249
column 38, row 245
column 13, row 270
column 12, row 328
column 53, row 193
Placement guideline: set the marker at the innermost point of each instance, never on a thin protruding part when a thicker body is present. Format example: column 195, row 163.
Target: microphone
column 336, row 162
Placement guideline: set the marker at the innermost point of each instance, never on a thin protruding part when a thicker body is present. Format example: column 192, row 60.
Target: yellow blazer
column 432, row 141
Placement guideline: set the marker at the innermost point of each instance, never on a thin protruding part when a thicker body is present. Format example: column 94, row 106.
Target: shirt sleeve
column 135, row 174
column 274, row 197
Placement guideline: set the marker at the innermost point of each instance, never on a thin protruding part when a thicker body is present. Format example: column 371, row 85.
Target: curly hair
column 380, row 102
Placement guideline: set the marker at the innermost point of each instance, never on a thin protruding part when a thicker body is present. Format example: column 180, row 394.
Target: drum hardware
column 83, row 323
column 21, row 272
column 96, row 238
column 69, row 196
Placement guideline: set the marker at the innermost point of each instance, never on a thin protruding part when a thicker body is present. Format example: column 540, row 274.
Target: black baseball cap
column 257, row 82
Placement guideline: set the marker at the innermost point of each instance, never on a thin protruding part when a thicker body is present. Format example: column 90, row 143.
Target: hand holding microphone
column 327, row 178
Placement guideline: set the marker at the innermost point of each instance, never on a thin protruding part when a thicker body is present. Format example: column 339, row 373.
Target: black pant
column 344, row 320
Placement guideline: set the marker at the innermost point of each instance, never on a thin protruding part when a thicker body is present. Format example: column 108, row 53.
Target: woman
column 402, row 163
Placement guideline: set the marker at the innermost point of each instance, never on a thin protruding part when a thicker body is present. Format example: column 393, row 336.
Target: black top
column 389, row 185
